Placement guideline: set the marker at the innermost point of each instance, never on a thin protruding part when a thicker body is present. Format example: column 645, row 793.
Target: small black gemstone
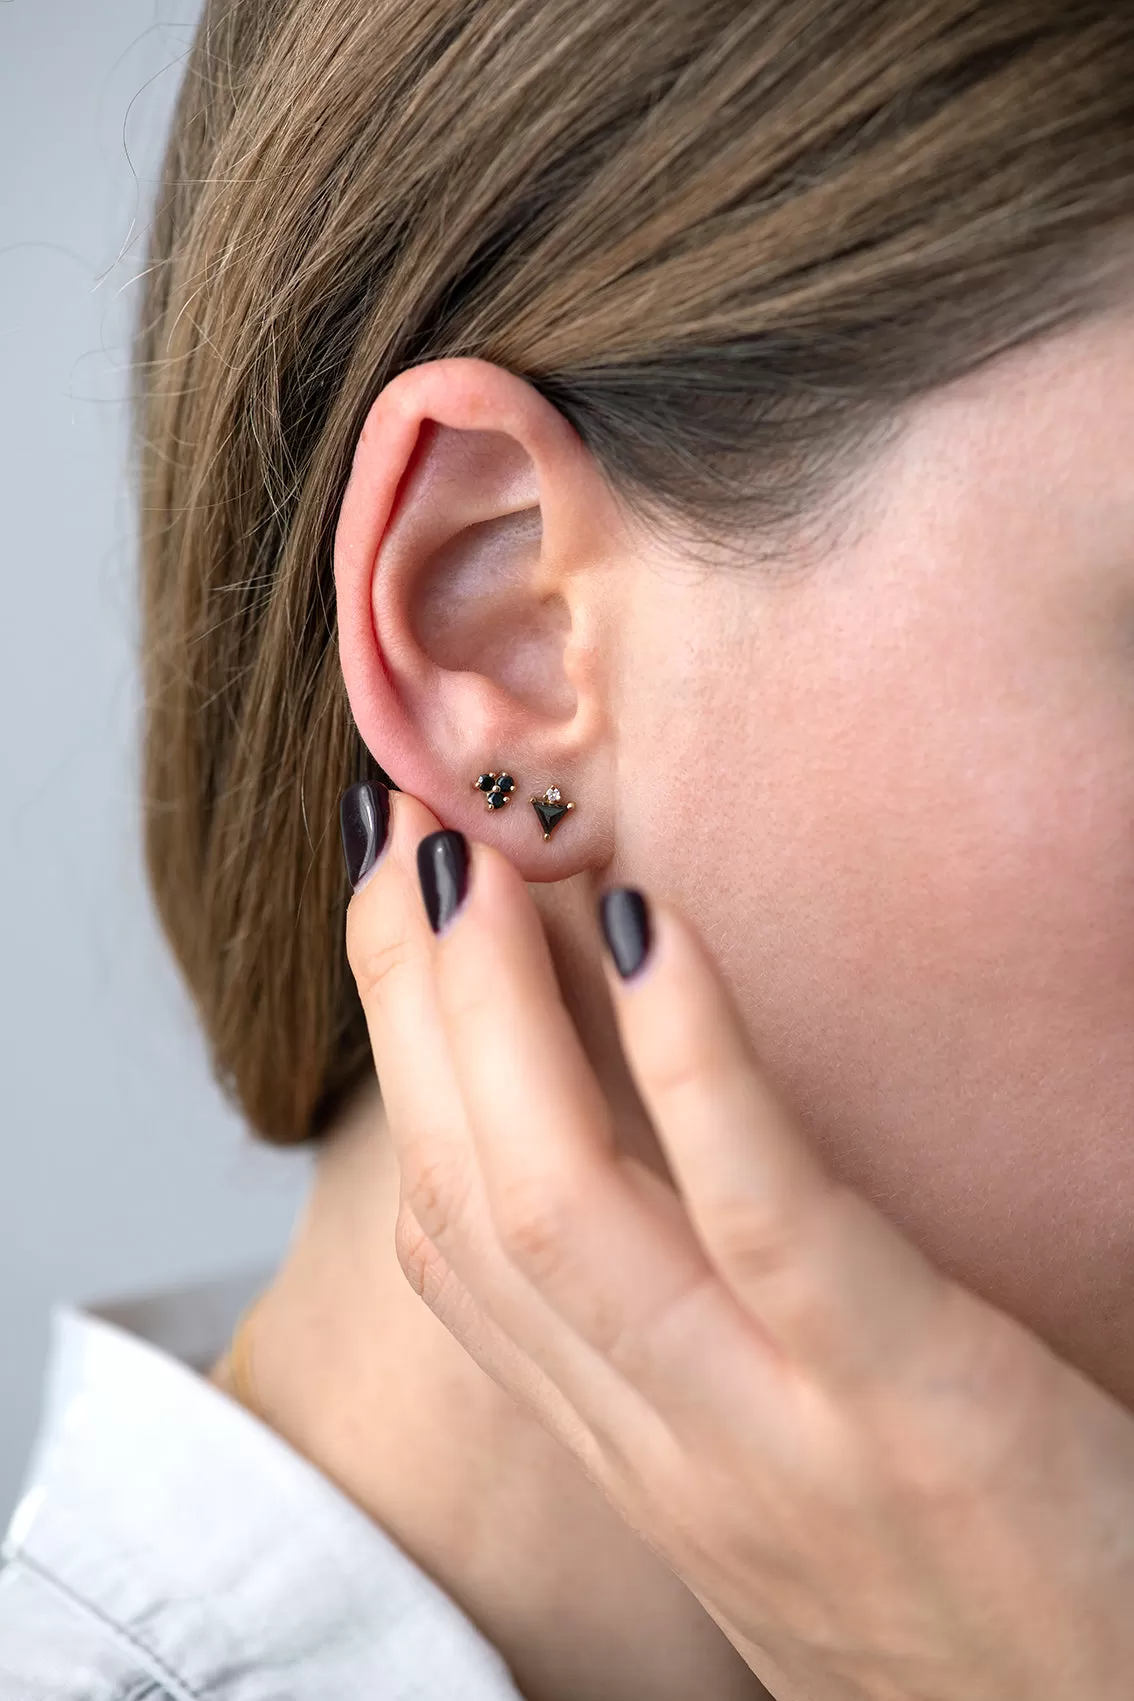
column 485, row 782
column 504, row 782
column 496, row 800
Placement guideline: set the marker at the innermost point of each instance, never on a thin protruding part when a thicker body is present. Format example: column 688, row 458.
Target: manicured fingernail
column 443, row 869
column 626, row 927
column 364, row 818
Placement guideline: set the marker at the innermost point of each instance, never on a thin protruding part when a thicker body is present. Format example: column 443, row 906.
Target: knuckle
column 415, row 1252
column 769, row 1249
column 435, row 1192
column 683, row 1061
column 423, row 1266
column 373, row 961
column 760, row 1243
column 674, row 1070
column 534, row 1226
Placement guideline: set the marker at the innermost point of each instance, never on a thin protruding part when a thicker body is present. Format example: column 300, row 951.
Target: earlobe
column 464, row 580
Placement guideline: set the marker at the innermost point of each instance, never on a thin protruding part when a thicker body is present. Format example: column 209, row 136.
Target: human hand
column 880, row 1487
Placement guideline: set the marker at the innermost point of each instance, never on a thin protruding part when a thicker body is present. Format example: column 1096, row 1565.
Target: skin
column 897, row 805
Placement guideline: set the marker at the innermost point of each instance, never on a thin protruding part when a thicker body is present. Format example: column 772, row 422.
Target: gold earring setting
column 551, row 809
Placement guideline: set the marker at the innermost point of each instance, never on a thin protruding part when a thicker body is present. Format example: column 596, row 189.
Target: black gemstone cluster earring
column 498, row 787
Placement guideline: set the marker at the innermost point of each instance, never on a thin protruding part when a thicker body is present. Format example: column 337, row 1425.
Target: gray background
column 121, row 1168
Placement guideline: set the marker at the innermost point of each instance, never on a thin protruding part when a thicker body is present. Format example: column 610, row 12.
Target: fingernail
column 443, row 869
column 364, row 818
column 626, row 926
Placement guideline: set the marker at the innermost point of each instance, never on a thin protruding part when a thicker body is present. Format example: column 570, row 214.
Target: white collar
column 207, row 1540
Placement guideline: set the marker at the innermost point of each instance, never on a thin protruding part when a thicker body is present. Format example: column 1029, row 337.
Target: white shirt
column 169, row 1547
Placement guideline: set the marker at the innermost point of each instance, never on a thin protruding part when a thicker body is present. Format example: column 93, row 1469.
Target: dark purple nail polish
column 625, row 923
column 443, row 869
column 364, row 820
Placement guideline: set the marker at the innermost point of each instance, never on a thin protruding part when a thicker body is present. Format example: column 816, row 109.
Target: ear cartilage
column 551, row 809
column 498, row 789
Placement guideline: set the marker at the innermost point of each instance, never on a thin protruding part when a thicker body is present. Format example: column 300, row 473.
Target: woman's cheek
column 929, row 926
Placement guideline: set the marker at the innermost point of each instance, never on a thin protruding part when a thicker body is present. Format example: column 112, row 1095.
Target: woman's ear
column 472, row 564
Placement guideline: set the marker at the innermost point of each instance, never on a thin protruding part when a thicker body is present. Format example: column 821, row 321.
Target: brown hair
column 728, row 240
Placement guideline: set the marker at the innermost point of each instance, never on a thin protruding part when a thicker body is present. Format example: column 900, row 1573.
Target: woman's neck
column 354, row 1370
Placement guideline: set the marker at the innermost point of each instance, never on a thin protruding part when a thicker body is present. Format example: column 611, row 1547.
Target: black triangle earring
column 551, row 809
